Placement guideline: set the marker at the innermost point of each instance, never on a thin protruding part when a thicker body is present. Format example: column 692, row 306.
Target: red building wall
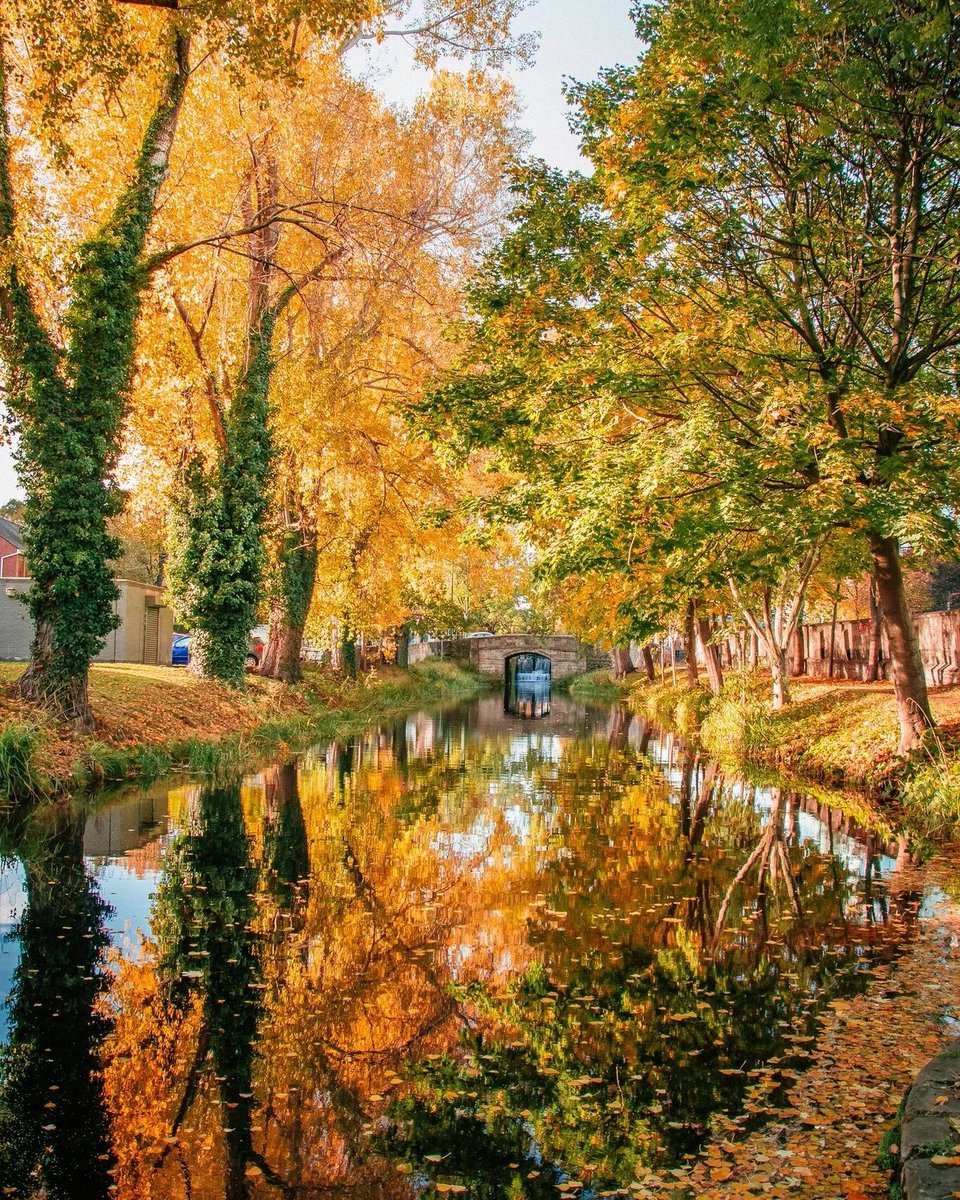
column 12, row 564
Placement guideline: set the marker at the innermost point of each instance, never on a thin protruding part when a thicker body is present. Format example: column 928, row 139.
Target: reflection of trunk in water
column 208, row 898
column 286, row 849
column 619, row 727
column 54, row 1134
column 376, row 910
column 698, row 908
column 771, row 859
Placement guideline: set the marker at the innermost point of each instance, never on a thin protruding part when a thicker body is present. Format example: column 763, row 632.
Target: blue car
column 180, row 655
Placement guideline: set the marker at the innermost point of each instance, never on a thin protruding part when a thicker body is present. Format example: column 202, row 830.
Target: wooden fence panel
column 938, row 634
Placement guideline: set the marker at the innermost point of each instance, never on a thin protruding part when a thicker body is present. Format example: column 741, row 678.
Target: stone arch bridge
column 490, row 654
column 567, row 654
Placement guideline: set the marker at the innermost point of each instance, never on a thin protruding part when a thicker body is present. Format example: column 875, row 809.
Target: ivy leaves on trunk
column 68, row 403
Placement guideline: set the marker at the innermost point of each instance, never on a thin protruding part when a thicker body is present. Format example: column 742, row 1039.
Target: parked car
column 180, row 654
column 479, row 633
column 255, row 653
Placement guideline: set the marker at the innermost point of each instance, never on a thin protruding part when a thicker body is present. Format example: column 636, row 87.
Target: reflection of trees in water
column 53, row 1129
column 286, row 850
column 540, row 949
column 640, row 1020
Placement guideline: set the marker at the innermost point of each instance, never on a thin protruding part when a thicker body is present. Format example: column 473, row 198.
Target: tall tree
column 356, row 260
column 801, row 164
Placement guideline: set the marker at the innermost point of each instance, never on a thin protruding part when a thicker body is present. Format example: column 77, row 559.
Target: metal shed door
column 151, row 634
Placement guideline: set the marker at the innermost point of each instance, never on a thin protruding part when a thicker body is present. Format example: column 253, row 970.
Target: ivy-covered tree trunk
column 218, row 565
column 403, row 646
column 909, row 680
column 295, row 574
column 69, row 406
column 348, row 648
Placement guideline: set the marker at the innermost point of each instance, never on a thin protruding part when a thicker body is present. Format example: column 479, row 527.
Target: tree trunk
column 403, row 647
column 69, row 406
column 290, row 606
column 348, row 649
column 622, row 662
column 874, row 644
column 690, row 643
column 909, row 680
column 798, row 662
column 711, row 656
column 777, row 661
column 753, row 651
column 65, row 695
column 833, row 638
column 646, row 655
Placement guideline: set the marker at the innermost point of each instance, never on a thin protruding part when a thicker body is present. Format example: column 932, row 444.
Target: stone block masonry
column 567, row 656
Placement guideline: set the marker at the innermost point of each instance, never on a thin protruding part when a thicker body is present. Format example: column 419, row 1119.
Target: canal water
column 527, row 953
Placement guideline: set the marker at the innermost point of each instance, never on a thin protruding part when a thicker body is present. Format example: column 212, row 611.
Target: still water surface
column 467, row 952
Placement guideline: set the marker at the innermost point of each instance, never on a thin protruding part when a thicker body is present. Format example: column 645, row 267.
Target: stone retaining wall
column 927, row 1135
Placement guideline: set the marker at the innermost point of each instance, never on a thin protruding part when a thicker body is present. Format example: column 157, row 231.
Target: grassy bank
column 838, row 733
column 150, row 720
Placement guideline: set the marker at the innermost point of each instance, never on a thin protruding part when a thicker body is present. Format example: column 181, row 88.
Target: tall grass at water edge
column 21, row 776
column 931, row 793
column 739, row 723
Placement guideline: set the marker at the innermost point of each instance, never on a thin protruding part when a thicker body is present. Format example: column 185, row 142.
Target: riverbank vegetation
column 150, row 720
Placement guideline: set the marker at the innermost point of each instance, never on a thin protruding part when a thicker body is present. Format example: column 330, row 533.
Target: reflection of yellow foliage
column 433, row 861
column 146, row 1058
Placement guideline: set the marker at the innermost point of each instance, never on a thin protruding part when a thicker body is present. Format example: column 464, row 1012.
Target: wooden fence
column 937, row 632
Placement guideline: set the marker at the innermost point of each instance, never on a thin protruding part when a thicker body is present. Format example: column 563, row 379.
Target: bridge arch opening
column 527, row 678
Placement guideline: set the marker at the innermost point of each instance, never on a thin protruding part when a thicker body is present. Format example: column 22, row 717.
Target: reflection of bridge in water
column 526, row 688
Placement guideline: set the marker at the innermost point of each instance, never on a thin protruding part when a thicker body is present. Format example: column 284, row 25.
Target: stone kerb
column 930, row 1167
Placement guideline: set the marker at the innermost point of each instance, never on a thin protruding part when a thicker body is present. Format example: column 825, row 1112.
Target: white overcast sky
column 577, row 38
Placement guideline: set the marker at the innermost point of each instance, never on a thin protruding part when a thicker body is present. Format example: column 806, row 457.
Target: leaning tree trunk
column 290, row 606
column 909, row 680
column 622, row 662
column 646, row 654
column 69, row 409
column 711, row 656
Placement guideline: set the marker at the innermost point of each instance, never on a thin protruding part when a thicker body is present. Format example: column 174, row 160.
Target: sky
column 577, row 38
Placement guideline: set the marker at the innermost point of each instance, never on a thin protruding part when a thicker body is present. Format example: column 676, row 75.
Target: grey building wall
column 123, row 644
column 16, row 626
